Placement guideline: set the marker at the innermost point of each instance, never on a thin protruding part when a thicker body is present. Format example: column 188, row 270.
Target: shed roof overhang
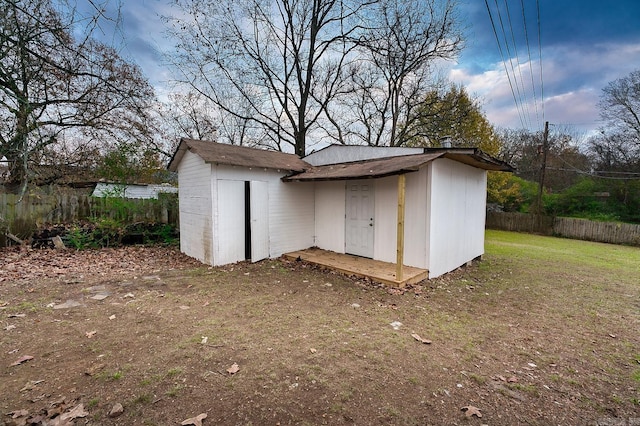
column 390, row 166
column 234, row 155
column 368, row 169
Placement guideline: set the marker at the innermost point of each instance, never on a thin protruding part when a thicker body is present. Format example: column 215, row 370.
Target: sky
column 574, row 49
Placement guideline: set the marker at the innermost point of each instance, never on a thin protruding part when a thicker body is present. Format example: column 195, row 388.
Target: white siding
column 231, row 222
column 291, row 213
column 457, row 203
column 334, row 154
column 291, row 209
column 416, row 218
column 330, row 216
column 259, row 220
column 150, row 191
column 195, row 208
column 386, row 219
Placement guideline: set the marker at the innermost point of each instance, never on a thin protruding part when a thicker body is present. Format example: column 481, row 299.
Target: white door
column 231, row 222
column 359, row 221
column 259, row 196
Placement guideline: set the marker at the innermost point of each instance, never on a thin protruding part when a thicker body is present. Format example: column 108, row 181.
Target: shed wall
column 194, row 181
column 291, row 212
column 457, row 202
column 330, row 215
column 334, row 154
column 385, row 219
column 416, row 219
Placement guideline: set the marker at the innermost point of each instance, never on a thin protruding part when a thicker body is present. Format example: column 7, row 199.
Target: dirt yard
column 542, row 331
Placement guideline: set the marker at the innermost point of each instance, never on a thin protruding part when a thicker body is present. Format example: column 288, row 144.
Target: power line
column 495, row 32
column 508, row 48
column 523, row 102
column 533, row 86
column 540, row 55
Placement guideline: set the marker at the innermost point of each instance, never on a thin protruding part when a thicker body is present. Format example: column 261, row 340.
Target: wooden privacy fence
column 579, row 229
column 22, row 217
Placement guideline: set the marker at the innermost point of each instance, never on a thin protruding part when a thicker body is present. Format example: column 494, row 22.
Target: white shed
column 234, row 206
column 239, row 203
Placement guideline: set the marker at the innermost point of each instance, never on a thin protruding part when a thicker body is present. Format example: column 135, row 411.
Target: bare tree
column 282, row 58
column 58, row 84
column 617, row 148
column 399, row 55
column 187, row 115
column 620, row 105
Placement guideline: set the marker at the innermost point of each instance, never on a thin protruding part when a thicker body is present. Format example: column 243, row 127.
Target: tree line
column 284, row 75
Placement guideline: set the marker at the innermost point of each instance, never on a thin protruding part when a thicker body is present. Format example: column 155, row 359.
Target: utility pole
column 543, row 168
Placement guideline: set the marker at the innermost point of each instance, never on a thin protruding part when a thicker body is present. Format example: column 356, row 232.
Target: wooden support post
column 400, row 234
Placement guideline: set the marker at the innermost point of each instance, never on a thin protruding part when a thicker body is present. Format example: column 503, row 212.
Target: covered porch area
column 382, row 272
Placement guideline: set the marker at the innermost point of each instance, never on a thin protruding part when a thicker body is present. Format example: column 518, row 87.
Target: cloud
column 572, row 77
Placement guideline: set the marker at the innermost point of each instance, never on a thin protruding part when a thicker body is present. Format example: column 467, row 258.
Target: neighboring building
column 239, row 203
column 121, row 190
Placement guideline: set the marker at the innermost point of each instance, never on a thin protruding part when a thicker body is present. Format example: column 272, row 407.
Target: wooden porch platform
column 382, row 272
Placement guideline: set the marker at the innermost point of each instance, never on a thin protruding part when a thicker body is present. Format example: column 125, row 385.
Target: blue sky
column 584, row 43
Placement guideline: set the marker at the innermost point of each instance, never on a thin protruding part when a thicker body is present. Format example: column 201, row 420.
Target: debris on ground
column 21, row 360
column 471, row 411
column 196, row 421
column 420, row 339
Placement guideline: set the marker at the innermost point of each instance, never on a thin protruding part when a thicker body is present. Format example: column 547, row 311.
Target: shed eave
column 297, row 178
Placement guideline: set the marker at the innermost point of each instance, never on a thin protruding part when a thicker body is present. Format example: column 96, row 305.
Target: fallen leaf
column 613, row 336
column 197, row 420
column 18, row 413
column 10, row 327
column 16, row 315
column 420, row 339
column 204, row 340
column 233, row 369
column 471, row 411
column 313, row 350
column 76, row 412
column 112, row 317
column 90, row 334
column 30, row 385
column 22, row 359
column 94, row 369
column 512, row 379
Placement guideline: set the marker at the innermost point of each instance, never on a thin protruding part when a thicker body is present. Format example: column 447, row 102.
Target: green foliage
column 598, row 199
column 128, row 163
column 77, row 238
column 117, row 221
column 590, row 198
column 514, row 194
column 455, row 115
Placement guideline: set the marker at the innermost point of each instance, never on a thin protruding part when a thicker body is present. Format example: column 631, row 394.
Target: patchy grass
column 542, row 331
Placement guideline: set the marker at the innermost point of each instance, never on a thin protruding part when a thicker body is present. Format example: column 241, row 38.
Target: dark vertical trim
column 247, row 220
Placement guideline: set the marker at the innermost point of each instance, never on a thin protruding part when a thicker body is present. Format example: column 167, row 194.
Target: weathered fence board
column 579, row 229
column 520, row 222
column 22, row 216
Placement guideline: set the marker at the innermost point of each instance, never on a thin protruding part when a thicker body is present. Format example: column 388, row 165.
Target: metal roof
column 234, row 155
